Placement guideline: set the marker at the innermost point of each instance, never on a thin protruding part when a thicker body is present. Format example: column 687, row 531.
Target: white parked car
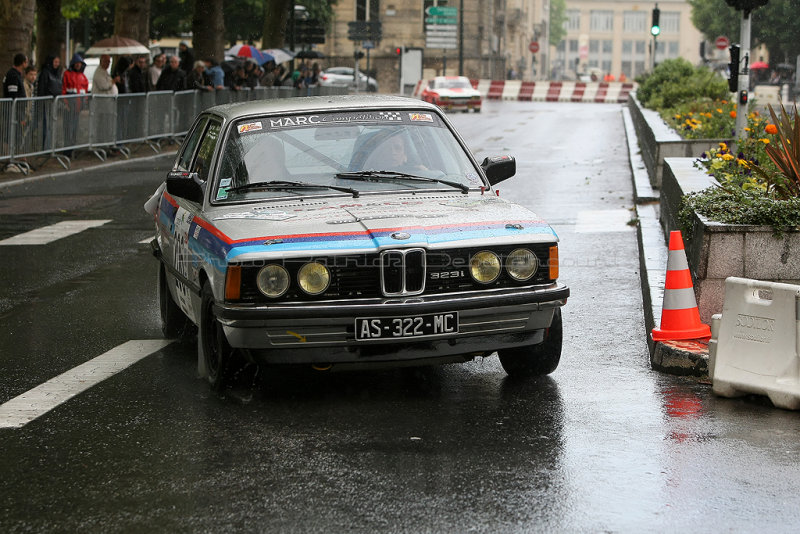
column 344, row 76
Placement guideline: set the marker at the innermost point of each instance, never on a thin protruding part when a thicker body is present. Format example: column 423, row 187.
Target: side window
column 188, row 151
column 202, row 163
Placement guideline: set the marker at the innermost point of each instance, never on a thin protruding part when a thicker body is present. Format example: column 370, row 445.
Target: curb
column 685, row 358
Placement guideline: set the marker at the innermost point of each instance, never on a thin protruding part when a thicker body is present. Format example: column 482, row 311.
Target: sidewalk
column 675, row 357
column 44, row 167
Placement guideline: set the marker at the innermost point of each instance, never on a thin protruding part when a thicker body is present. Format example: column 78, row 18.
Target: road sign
column 533, row 47
column 441, row 20
column 722, row 42
column 442, row 11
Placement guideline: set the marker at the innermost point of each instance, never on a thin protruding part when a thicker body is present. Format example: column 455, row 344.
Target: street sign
column 441, row 20
column 359, row 30
column 442, row 11
column 367, row 45
column 722, row 42
column 533, row 47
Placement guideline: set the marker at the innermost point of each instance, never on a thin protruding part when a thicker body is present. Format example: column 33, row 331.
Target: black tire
column 174, row 323
column 535, row 360
column 216, row 351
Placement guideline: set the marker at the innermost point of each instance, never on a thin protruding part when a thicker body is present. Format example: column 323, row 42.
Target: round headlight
column 314, row 278
column 484, row 267
column 521, row 264
column 273, row 280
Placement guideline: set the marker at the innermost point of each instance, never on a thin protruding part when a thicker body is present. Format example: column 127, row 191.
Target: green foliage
column 702, row 119
column 558, row 16
column 740, row 206
column 676, row 81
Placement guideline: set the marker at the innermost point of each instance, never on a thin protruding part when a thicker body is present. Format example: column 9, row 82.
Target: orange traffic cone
column 680, row 318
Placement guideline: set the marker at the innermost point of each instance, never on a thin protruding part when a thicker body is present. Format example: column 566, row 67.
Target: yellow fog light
column 484, row 267
column 521, row 264
column 273, row 280
column 314, row 278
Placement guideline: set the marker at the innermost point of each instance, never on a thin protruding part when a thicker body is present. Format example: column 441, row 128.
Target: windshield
column 453, row 83
column 334, row 150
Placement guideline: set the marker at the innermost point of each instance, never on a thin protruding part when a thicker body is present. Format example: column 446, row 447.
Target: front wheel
column 215, row 349
column 535, row 360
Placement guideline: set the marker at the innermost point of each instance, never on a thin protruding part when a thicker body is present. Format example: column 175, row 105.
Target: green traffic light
column 655, row 30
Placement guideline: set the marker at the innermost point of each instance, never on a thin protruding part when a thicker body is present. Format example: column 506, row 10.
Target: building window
column 372, row 7
column 573, row 21
column 670, row 22
column 634, row 22
column 602, row 21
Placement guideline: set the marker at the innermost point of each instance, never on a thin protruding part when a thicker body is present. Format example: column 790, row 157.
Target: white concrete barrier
column 757, row 347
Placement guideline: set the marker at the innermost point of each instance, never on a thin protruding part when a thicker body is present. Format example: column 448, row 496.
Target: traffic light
column 733, row 66
column 398, row 51
column 358, row 55
column 655, row 29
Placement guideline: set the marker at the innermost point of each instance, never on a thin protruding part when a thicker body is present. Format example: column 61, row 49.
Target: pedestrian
column 27, row 122
column 172, row 77
column 186, row 57
column 48, row 84
column 120, row 74
column 155, row 69
column 215, row 74
column 196, row 78
column 13, row 82
column 137, row 76
column 102, row 82
column 252, row 73
column 270, row 73
column 75, row 85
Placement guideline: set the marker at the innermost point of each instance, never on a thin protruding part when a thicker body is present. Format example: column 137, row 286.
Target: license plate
column 430, row 324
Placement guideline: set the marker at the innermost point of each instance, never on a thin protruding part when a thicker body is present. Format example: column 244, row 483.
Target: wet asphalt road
column 603, row 444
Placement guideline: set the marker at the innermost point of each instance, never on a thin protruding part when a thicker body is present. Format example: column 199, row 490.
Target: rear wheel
column 174, row 323
column 216, row 351
column 535, row 360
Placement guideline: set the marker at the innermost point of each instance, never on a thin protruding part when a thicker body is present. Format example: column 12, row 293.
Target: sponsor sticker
column 250, row 127
column 420, row 117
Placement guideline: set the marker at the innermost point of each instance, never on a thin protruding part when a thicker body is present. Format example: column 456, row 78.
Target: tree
column 776, row 25
column 49, row 33
column 16, row 31
column 132, row 19
column 208, row 30
column 276, row 15
column 558, row 16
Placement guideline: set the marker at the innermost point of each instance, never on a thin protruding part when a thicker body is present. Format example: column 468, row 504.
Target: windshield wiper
column 381, row 176
column 287, row 185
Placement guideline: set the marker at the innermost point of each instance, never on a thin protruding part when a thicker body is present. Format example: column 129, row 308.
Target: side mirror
column 185, row 185
column 499, row 168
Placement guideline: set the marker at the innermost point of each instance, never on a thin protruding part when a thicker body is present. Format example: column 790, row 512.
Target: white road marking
column 146, row 241
column 598, row 221
column 36, row 402
column 48, row 234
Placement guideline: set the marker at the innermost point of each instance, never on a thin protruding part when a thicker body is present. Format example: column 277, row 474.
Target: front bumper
column 324, row 333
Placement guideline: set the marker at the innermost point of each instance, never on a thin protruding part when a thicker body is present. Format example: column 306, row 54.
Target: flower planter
column 658, row 141
column 716, row 251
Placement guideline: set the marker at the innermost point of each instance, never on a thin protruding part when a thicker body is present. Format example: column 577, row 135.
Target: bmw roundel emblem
column 400, row 235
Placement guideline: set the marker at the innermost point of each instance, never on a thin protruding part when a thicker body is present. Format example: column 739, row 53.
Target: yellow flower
column 723, row 146
column 765, row 141
column 747, row 129
column 742, row 162
column 727, row 157
column 719, row 110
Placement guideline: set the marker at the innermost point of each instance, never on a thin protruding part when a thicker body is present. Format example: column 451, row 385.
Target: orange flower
column 771, row 129
column 733, row 114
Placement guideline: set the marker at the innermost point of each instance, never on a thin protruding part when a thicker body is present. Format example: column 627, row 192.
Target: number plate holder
column 406, row 327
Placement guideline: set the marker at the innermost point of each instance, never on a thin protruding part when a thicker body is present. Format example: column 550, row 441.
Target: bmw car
column 452, row 93
column 350, row 232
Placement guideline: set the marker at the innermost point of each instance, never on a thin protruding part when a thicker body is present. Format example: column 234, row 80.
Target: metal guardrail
column 55, row 127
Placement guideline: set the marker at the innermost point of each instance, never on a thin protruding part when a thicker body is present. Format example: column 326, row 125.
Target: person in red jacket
column 74, row 82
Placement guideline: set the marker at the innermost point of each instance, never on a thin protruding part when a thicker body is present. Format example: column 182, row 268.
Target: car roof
column 318, row 104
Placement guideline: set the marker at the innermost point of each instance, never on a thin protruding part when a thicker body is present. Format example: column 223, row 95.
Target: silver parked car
column 344, row 76
column 350, row 231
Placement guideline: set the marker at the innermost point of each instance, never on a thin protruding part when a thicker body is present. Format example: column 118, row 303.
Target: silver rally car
column 352, row 231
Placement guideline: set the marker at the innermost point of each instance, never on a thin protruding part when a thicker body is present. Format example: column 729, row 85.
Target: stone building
column 508, row 38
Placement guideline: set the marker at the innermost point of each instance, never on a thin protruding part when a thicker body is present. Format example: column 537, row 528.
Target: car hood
column 371, row 223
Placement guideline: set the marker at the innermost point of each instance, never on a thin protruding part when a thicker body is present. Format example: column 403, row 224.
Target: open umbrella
column 309, row 54
column 117, row 46
column 280, row 55
column 756, row 65
column 251, row 52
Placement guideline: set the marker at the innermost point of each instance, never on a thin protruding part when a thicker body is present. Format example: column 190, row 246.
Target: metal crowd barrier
column 58, row 126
